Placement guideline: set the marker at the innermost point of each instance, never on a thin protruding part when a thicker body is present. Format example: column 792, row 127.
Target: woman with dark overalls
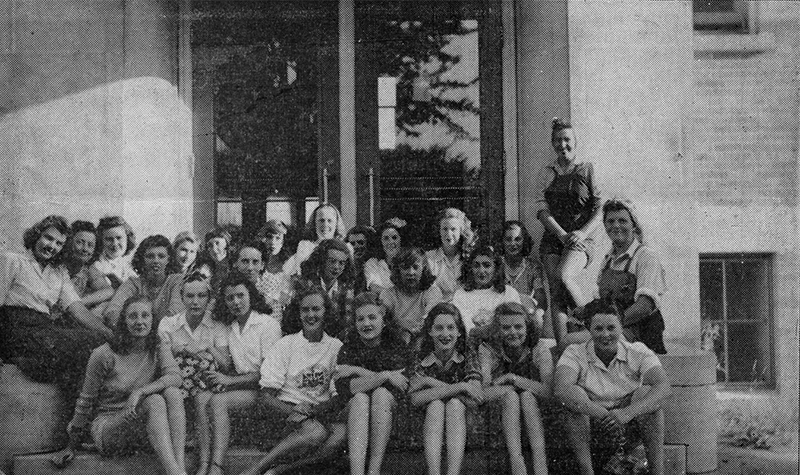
column 632, row 276
column 568, row 205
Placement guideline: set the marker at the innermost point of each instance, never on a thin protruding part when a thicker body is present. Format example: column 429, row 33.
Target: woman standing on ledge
column 568, row 205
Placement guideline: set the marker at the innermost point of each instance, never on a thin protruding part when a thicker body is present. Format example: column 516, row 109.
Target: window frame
column 767, row 322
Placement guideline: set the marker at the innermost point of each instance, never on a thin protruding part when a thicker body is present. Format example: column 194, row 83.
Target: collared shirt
column 477, row 306
column 249, row 345
column 175, row 332
column 446, row 271
column 409, row 311
column 166, row 300
column 646, row 265
column 452, row 371
column 490, row 362
column 608, row 385
column 302, row 370
column 23, row 283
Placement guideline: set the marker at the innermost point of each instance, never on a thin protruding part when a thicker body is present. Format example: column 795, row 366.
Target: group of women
column 328, row 338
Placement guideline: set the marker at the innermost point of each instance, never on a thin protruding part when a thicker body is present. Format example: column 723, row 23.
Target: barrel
column 690, row 413
column 32, row 416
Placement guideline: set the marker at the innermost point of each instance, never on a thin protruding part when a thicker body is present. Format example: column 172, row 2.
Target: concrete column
column 156, row 124
column 542, row 92
column 347, row 110
column 630, row 87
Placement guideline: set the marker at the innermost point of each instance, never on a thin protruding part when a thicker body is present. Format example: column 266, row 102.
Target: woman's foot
column 63, row 457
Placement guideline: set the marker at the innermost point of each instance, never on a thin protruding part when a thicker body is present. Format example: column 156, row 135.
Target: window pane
column 229, row 212
column 387, row 132
column 748, row 353
column 711, row 6
column 711, row 306
column 748, row 290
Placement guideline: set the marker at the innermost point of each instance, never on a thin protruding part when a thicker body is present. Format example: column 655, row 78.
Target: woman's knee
column 313, row 432
column 359, row 401
column 172, row 395
column 436, row 406
column 455, row 407
column 382, row 397
column 510, row 398
column 154, row 404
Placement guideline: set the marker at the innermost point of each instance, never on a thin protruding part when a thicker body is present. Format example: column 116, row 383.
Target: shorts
column 114, row 434
column 550, row 244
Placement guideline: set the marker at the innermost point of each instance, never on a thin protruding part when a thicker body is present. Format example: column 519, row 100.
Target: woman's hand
column 397, row 379
column 218, row 378
column 615, row 418
column 132, row 403
column 304, row 409
column 63, row 457
column 474, row 391
column 508, row 379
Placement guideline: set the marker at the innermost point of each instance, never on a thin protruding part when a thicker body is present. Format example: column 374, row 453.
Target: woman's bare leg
column 455, row 413
column 579, row 434
column 158, row 432
column 176, row 413
column 558, row 315
column 221, row 404
column 434, row 433
column 310, row 434
column 358, row 432
column 652, row 425
column 381, row 411
column 338, row 434
column 512, row 430
column 569, row 270
column 535, row 431
column 202, row 425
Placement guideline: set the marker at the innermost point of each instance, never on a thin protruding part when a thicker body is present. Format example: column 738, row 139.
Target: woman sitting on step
column 131, row 393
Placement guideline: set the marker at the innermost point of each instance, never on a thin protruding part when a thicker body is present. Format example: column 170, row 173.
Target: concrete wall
column 90, row 120
column 630, row 89
column 745, row 126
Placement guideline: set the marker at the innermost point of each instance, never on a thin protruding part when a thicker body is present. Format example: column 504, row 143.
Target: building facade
column 181, row 114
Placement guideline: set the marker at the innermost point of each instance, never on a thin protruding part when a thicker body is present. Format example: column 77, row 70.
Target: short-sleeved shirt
column 388, row 356
column 451, row 372
column 477, row 306
column 529, row 279
column 301, row 370
column 249, row 345
column 409, row 311
column 608, row 385
column 175, row 332
column 24, row 283
column 529, row 364
column 646, row 265
column 446, row 271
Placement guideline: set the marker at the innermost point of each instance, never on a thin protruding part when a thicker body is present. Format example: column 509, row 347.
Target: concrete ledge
column 476, row 462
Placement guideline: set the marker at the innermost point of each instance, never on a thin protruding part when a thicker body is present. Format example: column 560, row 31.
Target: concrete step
column 476, row 462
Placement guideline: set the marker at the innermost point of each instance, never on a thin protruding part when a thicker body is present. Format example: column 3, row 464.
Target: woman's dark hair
column 512, row 308
column 291, row 316
column 122, row 342
column 109, row 222
column 205, row 260
column 405, row 258
column 80, row 227
column 499, row 281
column 256, row 244
column 390, row 333
column 35, row 232
column 310, row 232
column 314, row 267
column 558, row 125
column 218, row 233
column 388, row 224
column 527, row 240
column 443, row 308
column 195, row 276
column 273, row 227
column 257, row 302
column 371, row 237
column 600, row 307
column 150, row 242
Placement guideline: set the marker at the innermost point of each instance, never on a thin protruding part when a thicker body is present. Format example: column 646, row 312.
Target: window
column 736, row 312
column 725, row 16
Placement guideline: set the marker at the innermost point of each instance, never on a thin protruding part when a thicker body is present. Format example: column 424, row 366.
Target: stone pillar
column 630, row 88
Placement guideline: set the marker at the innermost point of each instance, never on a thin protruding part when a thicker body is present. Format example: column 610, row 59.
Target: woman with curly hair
column 377, row 270
column 154, row 261
column 130, row 394
column 457, row 239
column 117, row 242
column 324, row 223
column 187, row 247
column 251, row 332
column 32, row 285
column 413, row 293
column 331, row 268
column 275, row 283
column 484, row 288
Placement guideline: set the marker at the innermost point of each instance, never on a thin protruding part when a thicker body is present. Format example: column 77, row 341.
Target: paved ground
column 738, row 461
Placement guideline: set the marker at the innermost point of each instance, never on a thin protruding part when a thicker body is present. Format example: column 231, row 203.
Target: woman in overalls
column 632, row 276
column 568, row 205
